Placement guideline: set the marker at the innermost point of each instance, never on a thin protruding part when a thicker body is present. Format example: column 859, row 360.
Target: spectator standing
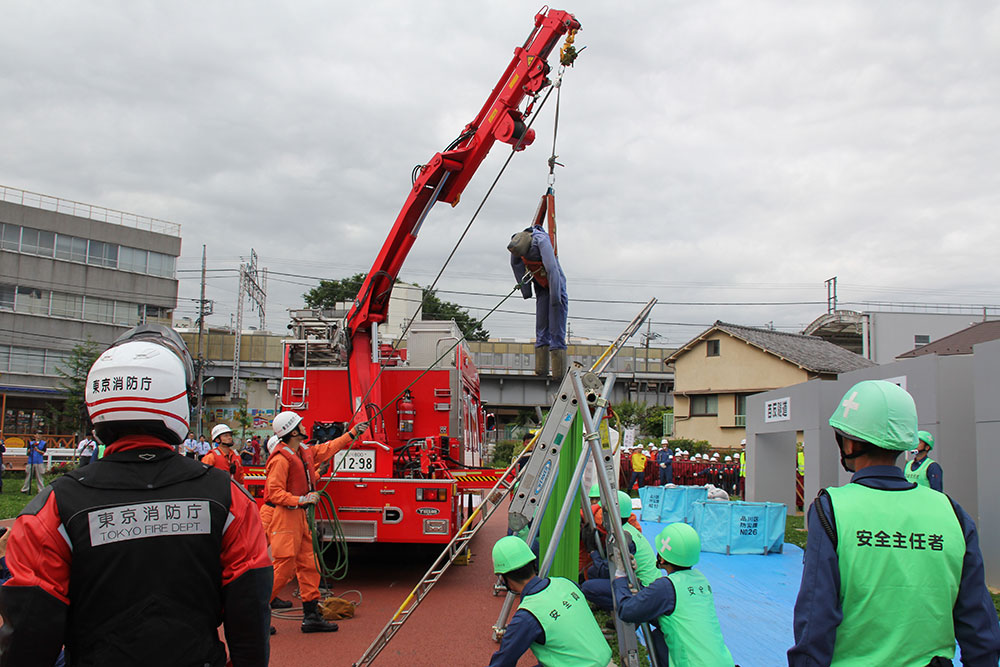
column 202, row 447
column 638, row 469
column 665, row 463
column 85, row 450
column 189, row 447
column 35, row 465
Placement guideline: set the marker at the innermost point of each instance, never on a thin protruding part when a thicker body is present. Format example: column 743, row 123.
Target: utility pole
column 201, row 346
column 831, row 294
column 251, row 285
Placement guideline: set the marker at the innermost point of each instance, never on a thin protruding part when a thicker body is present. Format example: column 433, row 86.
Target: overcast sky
column 730, row 153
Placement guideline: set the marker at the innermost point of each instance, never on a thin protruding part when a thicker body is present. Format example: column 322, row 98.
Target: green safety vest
column 692, row 632
column 900, row 555
column 801, row 461
column 645, row 557
column 572, row 636
column 918, row 476
column 743, row 464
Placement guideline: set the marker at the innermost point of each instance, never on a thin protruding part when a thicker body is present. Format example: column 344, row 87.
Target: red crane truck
column 404, row 480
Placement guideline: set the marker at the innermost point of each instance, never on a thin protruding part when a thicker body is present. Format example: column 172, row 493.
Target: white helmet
column 664, row 441
column 729, row 459
column 272, row 443
column 743, row 442
column 219, row 429
column 140, row 385
column 285, row 422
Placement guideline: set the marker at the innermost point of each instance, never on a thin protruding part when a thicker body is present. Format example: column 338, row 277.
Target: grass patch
column 12, row 501
column 794, row 530
column 605, row 621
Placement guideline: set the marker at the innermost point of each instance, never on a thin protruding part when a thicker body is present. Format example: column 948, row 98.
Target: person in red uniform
column 138, row 558
column 222, row 455
column 289, row 489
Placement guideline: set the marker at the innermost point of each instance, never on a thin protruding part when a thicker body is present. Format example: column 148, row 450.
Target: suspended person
column 924, row 470
column 137, row 558
column 553, row 619
column 289, row 489
column 222, row 456
column 892, row 574
column 680, row 604
column 531, row 250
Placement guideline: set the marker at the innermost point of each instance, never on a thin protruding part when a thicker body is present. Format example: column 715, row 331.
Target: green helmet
column 595, row 491
column 679, row 544
column 926, row 438
column 510, row 553
column 624, row 504
column 880, row 413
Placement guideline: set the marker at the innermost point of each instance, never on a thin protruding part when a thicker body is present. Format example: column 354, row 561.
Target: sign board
column 778, row 410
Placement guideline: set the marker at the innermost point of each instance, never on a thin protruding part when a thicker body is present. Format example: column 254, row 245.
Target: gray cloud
column 715, row 151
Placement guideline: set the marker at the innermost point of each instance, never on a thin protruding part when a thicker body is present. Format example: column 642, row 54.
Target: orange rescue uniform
column 595, row 509
column 290, row 475
column 231, row 463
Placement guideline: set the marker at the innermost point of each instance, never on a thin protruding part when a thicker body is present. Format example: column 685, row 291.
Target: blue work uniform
column 657, row 599
column 817, row 608
column 665, row 456
column 551, row 300
column 935, row 476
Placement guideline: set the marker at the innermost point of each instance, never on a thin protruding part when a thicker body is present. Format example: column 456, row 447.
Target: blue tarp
column 670, row 504
column 740, row 527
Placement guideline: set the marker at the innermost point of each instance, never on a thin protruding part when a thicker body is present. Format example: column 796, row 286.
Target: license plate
column 354, row 461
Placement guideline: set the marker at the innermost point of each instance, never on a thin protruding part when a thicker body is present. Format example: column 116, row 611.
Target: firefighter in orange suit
column 290, row 488
column 222, row 456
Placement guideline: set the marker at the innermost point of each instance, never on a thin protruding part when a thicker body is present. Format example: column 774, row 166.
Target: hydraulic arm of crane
column 448, row 172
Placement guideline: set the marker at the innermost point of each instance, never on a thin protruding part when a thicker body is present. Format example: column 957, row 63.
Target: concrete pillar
column 771, row 468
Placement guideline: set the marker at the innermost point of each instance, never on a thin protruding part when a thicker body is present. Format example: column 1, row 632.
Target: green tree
column 436, row 309
column 72, row 417
column 331, row 292
column 242, row 417
column 647, row 418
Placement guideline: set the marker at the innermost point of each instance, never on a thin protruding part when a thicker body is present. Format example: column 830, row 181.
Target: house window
column 712, row 348
column 103, row 254
column 67, row 305
column 740, row 416
column 705, row 405
column 921, row 339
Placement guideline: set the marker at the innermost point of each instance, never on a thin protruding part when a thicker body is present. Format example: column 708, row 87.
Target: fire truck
column 404, row 480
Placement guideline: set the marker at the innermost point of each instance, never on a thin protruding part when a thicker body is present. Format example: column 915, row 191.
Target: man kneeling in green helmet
column 893, row 574
column 553, row 619
column 680, row 604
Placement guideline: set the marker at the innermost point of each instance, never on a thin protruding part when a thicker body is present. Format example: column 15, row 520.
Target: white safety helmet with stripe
column 220, row 429
column 285, row 422
column 272, row 442
column 140, row 386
